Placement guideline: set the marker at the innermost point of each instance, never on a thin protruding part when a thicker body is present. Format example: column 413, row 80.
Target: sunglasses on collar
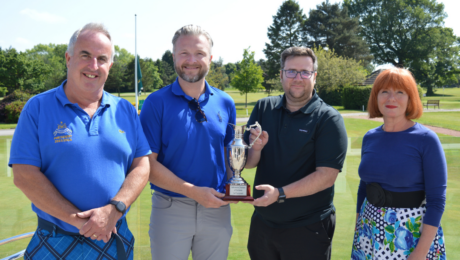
column 199, row 115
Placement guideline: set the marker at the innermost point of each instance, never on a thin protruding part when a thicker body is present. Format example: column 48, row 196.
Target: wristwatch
column 119, row 205
column 282, row 196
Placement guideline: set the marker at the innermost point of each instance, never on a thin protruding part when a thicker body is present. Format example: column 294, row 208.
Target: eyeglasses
column 305, row 74
column 199, row 116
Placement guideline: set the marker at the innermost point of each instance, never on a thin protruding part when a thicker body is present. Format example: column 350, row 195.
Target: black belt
column 385, row 198
column 50, row 227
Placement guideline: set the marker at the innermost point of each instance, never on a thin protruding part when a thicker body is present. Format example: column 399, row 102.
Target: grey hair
column 192, row 30
column 299, row 51
column 97, row 27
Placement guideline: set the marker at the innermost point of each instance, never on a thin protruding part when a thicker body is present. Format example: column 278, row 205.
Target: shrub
column 420, row 91
column 354, row 97
column 332, row 97
column 13, row 111
column 3, row 91
column 17, row 95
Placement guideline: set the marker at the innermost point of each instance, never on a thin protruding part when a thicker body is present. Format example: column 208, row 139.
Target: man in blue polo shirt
column 186, row 126
column 80, row 155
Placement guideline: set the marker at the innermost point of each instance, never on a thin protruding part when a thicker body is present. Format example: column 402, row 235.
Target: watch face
column 121, row 207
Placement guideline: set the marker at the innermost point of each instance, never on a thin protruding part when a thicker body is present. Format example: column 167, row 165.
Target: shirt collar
column 62, row 97
column 307, row 109
column 177, row 90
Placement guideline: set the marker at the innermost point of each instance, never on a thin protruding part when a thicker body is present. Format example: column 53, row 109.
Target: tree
column 150, row 76
column 167, row 73
column 54, row 56
column 217, row 77
column 168, row 58
column 329, row 25
column 117, row 80
column 442, row 66
column 249, row 77
column 284, row 33
column 19, row 71
column 335, row 72
column 230, row 69
column 405, row 33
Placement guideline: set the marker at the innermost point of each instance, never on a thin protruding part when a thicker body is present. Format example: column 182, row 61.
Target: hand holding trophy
column 237, row 189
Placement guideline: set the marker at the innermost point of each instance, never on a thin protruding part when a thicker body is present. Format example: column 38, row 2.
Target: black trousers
column 309, row 242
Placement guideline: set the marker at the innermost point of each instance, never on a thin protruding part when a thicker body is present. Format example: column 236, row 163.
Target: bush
column 354, row 97
column 17, row 95
column 420, row 91
column 332, row 97
column 13, row 111
column 3, row 91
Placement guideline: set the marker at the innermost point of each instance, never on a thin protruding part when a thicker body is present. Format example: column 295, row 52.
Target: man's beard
column 192, row 79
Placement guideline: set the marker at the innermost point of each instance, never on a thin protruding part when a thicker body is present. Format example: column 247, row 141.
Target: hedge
column 354, row 97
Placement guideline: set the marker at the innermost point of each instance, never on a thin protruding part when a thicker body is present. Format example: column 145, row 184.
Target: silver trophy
column 237, row 189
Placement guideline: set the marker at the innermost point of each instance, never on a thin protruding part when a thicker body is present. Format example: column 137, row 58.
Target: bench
column 432, row 103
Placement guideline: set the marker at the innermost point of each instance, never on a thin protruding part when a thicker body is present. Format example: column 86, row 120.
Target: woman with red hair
column 403, row 173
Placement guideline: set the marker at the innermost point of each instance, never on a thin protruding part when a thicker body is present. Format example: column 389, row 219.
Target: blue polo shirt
column 86, row 159
column 191, row 150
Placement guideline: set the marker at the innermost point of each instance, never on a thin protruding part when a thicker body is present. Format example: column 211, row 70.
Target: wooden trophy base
column 238, row 196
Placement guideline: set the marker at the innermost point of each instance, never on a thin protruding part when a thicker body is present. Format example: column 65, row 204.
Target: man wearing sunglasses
column 186, row 126
column 294, row 216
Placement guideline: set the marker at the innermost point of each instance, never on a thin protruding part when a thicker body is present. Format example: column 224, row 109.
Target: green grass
column 449, row 120
column 449, row 98
column 18, row 218
column 7, row 126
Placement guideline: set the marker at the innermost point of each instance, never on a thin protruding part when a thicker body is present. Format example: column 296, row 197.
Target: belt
column 385, row 198
column 50, row 227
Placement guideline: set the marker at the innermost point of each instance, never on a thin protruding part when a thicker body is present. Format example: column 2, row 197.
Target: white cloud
column 23, row 41
column 43, row 16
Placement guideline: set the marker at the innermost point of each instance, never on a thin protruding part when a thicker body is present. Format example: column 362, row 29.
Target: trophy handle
column 249, row 128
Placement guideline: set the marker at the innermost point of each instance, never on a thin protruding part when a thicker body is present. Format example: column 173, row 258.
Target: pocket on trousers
column 319, row 231
column 161, row 201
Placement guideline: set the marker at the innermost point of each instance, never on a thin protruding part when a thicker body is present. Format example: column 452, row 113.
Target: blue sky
column 234, row 25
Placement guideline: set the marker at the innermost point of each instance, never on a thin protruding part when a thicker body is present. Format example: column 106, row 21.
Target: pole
column 135, row 61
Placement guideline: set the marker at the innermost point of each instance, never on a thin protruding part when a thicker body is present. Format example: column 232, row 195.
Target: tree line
column 349, row 39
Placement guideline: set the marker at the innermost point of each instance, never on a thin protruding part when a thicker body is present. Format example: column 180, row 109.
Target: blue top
column 409, row 160
column 191, row 150
column 85, row 158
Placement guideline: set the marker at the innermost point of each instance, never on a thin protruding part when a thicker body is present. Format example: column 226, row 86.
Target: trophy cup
column 236, row 188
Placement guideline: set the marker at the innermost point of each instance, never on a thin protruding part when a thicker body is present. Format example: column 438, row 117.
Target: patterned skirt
column 392, row 233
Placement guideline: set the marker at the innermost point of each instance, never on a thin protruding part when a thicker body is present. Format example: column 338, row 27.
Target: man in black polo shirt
column 294, row 215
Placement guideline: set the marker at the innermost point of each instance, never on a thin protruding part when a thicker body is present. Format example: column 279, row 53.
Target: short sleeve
column 25, row 147
column 331, row 142
column 143, row 147
column 150, row 119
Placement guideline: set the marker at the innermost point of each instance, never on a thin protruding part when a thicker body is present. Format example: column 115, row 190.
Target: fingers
column 85, row 214
column 217, row 194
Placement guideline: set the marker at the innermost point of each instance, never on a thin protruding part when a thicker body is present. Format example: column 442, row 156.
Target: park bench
column 432, row 103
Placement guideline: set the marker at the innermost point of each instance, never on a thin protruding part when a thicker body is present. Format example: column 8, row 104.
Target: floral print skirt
column 392, row 233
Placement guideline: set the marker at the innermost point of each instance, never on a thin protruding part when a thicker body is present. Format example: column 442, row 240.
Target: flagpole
column 135, row 61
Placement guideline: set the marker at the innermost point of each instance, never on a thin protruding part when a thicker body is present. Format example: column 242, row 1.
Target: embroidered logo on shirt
column 220, row 117
column 62, row 134
column 303, row 130
column 121, row 131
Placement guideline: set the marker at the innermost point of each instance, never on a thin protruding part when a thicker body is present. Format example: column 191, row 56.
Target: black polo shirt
column 300, row 141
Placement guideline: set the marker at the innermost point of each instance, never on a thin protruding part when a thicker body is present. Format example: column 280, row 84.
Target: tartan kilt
column 49, row 246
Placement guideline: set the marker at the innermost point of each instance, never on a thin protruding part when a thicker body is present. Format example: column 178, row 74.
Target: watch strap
column 282, row 196
column 119, row 205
